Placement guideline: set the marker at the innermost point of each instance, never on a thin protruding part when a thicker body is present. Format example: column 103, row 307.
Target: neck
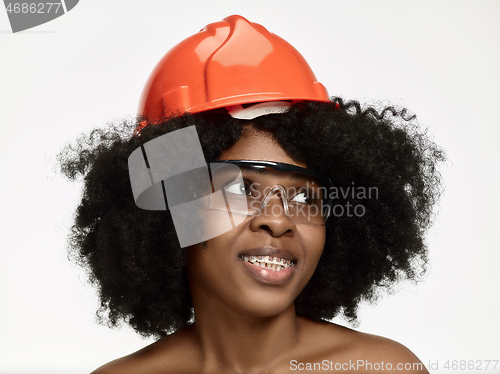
column 242, row 343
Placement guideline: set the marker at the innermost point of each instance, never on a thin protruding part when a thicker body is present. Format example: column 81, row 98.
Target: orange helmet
column 228, row 63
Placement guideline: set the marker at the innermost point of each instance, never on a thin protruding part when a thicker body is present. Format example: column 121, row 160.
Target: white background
column 441, row 59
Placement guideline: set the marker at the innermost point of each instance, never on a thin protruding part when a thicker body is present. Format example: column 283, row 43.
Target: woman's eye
column 301, row 197
column 305, row 197
column 236, row 189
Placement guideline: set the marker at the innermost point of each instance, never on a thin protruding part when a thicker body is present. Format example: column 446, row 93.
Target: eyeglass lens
column 254, row 192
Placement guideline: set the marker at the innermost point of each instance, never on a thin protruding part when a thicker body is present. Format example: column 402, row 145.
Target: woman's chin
column 260, row 306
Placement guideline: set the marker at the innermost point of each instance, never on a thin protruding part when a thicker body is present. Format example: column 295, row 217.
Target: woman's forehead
column 259, row 146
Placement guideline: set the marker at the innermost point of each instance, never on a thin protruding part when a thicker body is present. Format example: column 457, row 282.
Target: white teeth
column 268, row 262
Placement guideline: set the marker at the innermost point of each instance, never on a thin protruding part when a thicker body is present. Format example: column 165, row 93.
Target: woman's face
column 216, row 269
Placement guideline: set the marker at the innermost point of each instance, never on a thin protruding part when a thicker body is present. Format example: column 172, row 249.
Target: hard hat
column 226, row 64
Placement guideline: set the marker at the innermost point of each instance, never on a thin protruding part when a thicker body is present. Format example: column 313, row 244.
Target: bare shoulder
column 173, row 354
column 348, row 350
column 394, row 355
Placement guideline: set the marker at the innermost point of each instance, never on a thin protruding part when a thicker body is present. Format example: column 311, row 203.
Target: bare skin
column 245, row 324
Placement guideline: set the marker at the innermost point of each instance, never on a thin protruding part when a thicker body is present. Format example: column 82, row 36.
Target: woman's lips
column 270, row 251
column 268, row 275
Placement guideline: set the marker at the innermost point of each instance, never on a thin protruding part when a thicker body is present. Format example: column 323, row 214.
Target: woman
column 253, row 296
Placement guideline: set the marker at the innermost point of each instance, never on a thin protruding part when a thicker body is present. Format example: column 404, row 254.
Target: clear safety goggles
column 208, row 200
column 304, row 194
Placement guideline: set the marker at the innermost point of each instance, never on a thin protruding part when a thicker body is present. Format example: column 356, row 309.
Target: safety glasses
column 208, row 200
column 252, row 189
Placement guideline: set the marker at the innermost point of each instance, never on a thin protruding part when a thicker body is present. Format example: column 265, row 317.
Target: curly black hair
column 133, row 256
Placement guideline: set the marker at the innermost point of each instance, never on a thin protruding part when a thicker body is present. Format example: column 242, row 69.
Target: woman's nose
column 273, row 218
